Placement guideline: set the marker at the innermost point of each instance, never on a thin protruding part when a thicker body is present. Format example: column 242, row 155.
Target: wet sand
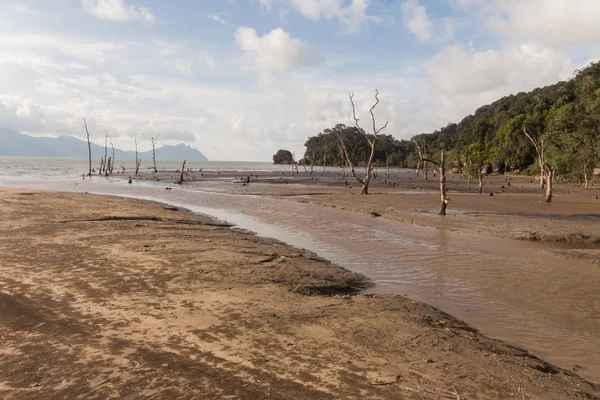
column 103, row 297
column 511, row 207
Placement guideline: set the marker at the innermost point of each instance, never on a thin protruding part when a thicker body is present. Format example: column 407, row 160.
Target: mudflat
column 103, row 297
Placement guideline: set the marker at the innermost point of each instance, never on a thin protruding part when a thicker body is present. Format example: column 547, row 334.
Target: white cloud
column 21, row 8
column 182, row 135
column 117, row 10
column 42, row 50
column 275, row 51
column 218, row 18
column 317, row 9
column 464, row 4
column 351, row 17
column 416, row 20
column 209, row 61
column 268, row 4
column 237, row 122
column 466, row 78
column 557, row 22
column 184, row 66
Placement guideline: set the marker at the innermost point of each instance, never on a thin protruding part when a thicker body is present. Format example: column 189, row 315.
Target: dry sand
column 114, row 298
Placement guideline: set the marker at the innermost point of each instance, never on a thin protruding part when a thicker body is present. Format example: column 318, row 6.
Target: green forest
column 563, row 119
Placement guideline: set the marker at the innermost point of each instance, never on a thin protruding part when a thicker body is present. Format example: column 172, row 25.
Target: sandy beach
column 102, row 297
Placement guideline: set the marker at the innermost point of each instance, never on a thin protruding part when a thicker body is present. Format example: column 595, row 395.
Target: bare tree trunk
column 138, row 162
column 105, row 151
column 153, row 141
column 89, row 147
column 542, row 175
column 480, row 175
column 418, row 167
column 585, row 177
column 294, row 163
column 539, row 148
column 549, row 186
column 369, row 169
column 469, row 167
column 112, row 163
column 387, row 165
column 182, row 171
column 443, row 191
column 442, row 168
column 425, row 170
column 324, row 161
column 108, row 166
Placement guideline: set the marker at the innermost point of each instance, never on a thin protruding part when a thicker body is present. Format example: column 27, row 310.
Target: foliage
column 325, row 149
column 283, row 157
column 565, row 116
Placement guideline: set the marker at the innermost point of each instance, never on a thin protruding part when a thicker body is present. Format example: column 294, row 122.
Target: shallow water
column 514, row 291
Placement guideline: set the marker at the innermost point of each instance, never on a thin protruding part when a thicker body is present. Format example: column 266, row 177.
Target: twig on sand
column 98, row 385
column 383, row 383
column 296, row 288
column 407, row 341
column 456, row 393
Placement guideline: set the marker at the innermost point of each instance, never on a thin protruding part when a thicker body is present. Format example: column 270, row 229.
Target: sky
column 240, row 79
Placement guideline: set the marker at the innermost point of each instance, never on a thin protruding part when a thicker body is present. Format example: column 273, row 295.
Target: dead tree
column 372, row 141
column 104, row 164
column 89, row 147
column 153, row 140
column 539, row 148
column 550, row 183
column 181, row 174
column 138, row 162
column 295, row 164
column 441, row 164
column 112, row 162
column 424, row 159
column 546, row 170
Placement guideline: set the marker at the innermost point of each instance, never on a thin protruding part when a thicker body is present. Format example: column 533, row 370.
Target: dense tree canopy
column 324, row 149
column 283, row 157
column 565, row 117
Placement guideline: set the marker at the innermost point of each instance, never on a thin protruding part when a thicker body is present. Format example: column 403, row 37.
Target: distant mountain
column 16, row 144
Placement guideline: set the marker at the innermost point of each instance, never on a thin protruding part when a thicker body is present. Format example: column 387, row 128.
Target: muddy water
column 514, row 291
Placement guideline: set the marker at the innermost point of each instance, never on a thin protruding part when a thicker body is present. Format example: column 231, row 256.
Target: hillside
column 15, row 144
column 566, row 116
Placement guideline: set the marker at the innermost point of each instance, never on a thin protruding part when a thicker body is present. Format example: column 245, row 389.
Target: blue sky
column 239, row 79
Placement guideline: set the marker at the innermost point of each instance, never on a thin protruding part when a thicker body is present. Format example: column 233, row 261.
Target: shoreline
column 395, row 347
column 517, row 205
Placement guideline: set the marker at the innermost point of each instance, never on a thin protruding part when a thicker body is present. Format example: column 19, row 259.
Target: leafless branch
column 421, row 154
column 375, row 130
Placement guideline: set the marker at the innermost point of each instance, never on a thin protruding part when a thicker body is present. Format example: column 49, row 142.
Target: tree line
column 552, row 131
